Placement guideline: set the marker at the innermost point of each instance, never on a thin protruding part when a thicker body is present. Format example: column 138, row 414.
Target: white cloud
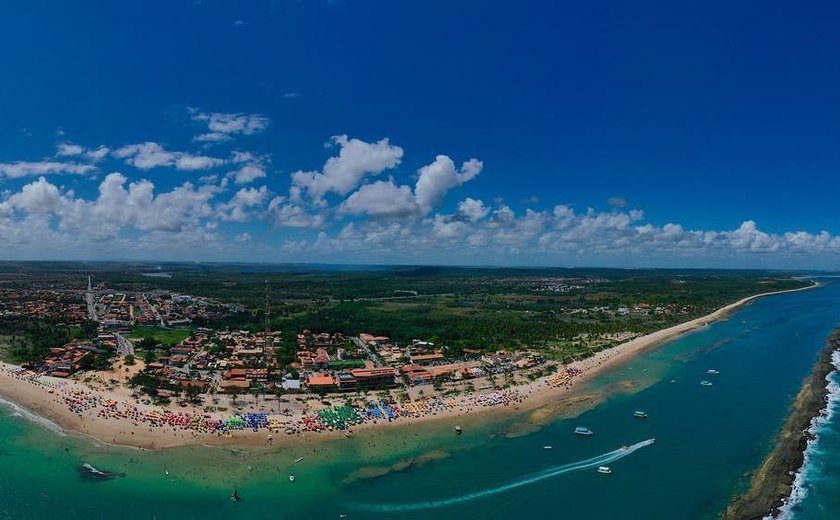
column 150, row 155
column 356, row 160
column 241, row 207
column 20, row 169
column 224, row 126
column 253, row 167
column 65, row 149
column 381, row 199
column 472, row 210
column 436, row 179
column 287, row 213
column 75, row 150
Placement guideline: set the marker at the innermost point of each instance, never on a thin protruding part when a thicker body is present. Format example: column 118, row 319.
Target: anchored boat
column 640, row 415
column 706, row 383
column 580, row 430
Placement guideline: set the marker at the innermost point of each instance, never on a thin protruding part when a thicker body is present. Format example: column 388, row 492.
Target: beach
column 710, row 437
column 111, row 415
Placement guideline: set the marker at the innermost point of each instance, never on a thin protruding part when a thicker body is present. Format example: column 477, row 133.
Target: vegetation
column 565, row 313
column 162, row 335
column 27, row 341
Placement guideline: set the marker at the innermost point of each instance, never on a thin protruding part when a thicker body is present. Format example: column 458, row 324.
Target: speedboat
column 640, row 415
column 604, row 469
column 712, row 372
column 292, row 478
column 580, row 430
column 706, row 383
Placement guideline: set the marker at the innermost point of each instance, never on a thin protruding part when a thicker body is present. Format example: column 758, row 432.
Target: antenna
column 267, row 315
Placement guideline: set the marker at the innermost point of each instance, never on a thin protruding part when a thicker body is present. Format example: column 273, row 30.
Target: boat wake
column 600, row 460
column 19, row 411
column 800, row 485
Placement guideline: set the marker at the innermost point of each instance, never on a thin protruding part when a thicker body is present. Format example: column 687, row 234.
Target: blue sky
column 548, row 133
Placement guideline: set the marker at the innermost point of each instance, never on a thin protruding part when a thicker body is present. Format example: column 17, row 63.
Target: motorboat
column 580, row 430
column 234, row 497
column 547, row 447
column 292, row 477
column 706, row 383
column 604, row 470
column 712, row 372
column 640, row 415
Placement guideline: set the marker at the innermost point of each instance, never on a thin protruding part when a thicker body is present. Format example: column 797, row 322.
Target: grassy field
column 165, row 336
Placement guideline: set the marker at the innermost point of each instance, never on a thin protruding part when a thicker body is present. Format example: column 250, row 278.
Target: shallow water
column 706, row 439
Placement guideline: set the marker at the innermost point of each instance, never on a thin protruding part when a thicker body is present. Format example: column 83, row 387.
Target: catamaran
column 580, row 430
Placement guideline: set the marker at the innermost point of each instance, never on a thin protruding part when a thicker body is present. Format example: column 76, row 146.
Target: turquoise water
column 707, row 438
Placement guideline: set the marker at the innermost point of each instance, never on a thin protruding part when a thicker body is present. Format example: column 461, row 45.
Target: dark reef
column 772, row 482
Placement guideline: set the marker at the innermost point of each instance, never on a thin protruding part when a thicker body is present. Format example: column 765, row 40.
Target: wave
column 799, row 489
column 19, row 411
column 600, row 460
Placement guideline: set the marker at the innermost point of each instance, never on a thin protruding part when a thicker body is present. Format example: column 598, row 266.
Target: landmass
column 771, row 484
column 260, row 387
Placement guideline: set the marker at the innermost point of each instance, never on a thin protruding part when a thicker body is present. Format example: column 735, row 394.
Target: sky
column 621, row 134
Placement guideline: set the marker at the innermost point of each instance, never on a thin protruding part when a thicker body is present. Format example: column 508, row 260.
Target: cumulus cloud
column 341, row 174
column 376, row 217
column 287, row 212
column 223, row 126
column 75, row 150
column 386, row 199
column 243, row 205
column 381, row 199
column 148, row 155
column 436, row 179
column 252, row 167
column 20, row 169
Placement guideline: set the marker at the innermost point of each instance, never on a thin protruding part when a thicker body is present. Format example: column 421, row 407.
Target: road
column 361, row 344
column 124, row 346
column 91, row 307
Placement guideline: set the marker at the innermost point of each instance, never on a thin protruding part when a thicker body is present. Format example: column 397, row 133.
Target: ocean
column 707, row 439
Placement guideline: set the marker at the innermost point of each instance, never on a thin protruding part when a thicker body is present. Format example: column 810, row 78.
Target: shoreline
column 549, row 394
column 773, row 483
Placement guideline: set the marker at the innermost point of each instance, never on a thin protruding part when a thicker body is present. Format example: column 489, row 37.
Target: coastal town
column 154, row 367
column 225, row 382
